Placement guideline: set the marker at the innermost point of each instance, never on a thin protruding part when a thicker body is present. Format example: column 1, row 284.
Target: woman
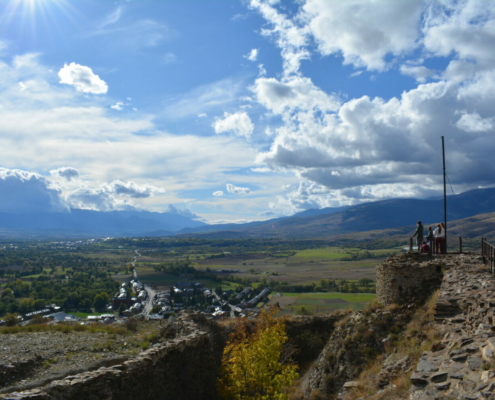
column 439, row 234
column 430, row 239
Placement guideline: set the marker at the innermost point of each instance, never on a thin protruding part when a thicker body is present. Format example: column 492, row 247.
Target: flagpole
column 444, row 194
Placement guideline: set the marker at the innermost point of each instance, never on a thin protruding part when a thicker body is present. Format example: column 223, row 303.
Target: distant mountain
column 320, row 211
column 97, row 223
column 374, row 216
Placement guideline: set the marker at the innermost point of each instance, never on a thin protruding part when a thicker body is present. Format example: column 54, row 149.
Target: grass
column 318, row 303
column 324, row 253
column 418, row 336
column 64, row 328
column 350, row 297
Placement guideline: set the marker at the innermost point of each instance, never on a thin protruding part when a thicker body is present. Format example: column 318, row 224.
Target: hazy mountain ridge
column 396, row 215
column 97, row 223
column 374, row 216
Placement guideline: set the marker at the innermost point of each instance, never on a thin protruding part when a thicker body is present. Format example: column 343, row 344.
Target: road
column 148, row 305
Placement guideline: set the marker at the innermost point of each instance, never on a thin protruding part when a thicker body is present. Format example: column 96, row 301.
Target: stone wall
column 183, row 368
column 408, row 278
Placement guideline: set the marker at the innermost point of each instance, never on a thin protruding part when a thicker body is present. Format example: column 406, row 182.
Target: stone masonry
column 462, row 364
column 408, row 278
column 183, row 368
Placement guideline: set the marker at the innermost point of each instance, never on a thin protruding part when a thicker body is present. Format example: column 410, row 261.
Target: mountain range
column 372, row 216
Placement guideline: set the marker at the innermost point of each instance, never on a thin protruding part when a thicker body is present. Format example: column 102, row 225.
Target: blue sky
column 242, row 110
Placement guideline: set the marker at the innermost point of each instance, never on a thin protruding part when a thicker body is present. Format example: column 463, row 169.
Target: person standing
column 439, row 234
column 419, row 233
column 430, row 239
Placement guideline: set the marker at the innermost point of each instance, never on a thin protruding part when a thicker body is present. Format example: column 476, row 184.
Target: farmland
column 305, row 276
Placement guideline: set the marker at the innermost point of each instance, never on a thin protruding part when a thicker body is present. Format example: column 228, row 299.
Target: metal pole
column 460, row 245
column 444, row 195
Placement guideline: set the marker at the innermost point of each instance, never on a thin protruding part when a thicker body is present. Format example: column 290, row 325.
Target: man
column 419, row 233
column 425, row 249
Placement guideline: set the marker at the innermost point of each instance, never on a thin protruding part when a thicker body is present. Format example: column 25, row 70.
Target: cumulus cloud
column 420, row 73
column 82, row 78
column 252, row 55
column 291, row 94
column 119, row 106
column 371, row 148
column 130, row 189
column 289, row 35
column 364, row 32
column 474, row 123
column 28, row 192
column 68, row 173
column 239, row 123
column 236, row 189
column 218, row 193
column 97, row 199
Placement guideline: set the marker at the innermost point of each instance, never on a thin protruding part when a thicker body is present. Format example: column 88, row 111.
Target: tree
column 101, row 301
column 255, row 365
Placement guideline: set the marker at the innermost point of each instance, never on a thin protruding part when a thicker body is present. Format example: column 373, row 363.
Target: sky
column 233, row 111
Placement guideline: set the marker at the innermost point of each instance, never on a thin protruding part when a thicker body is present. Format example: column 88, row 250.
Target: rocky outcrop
column 359, row 337
column 462, row 364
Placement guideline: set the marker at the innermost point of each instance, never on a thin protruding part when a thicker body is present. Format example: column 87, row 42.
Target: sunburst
column 27, row 14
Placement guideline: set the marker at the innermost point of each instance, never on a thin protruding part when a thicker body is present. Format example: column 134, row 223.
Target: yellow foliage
column 253, row 366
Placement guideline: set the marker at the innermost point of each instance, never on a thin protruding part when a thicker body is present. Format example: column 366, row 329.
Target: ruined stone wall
column 408, row 278
column 183, row 368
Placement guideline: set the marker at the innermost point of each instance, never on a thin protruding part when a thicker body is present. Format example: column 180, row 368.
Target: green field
column 327, row 253
column 320, row 303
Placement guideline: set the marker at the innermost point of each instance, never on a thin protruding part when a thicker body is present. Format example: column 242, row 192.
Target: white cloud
column 236, row 189
column 202, row 115
column 185, row 212
column 131, row 189
column 82, row 78
column 169, row 58
column 287, row 33
column 292, row 93
column 28, row 192
column 474, row 123
column 68, row 173
column 132, row 35
column 204, row 98
column 49, row 126
column 420, row 73
column 239, row 123
column 218, row 193
column 118, row 106
column 372, row 148
column 364, row 32
column 252, row 55
column 97, row 199
column 3, row 46
column 111, row 18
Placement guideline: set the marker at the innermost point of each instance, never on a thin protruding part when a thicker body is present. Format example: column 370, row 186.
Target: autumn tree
column 255, row 364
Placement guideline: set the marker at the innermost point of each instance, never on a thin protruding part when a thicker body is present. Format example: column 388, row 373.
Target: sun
column 29, row 14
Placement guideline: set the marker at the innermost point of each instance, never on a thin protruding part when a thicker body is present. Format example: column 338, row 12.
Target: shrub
column 254, row 364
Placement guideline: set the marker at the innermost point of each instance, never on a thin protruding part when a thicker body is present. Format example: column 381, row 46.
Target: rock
column 486, row 376
column 351, row 384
